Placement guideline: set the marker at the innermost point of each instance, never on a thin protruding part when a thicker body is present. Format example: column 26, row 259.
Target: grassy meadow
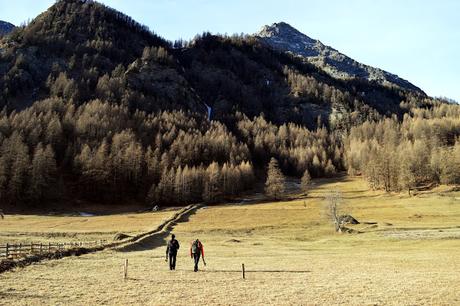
column 54, row 228
column 290, row 250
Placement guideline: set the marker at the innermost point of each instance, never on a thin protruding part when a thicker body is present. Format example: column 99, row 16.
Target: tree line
column 106, row 152
column 422, row 149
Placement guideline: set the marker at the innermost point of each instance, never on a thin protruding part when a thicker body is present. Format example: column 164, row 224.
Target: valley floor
column 289, row 249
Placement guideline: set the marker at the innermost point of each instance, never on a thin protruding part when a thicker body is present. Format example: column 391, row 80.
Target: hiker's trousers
column 196, row 258
column 172, row 261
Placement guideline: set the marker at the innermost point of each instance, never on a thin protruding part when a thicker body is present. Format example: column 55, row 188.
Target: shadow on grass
column 257, row 271
column 19, row 295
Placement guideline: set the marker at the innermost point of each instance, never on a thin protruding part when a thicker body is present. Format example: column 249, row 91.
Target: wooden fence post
column 125, row 270
column 6, row 250
column 49, row 247
column 244, row 276
column 41, row 247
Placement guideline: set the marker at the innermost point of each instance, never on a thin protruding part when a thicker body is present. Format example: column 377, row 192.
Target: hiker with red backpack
column 197, row 250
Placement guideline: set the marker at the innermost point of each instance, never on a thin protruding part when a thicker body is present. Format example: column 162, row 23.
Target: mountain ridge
column 283, row 37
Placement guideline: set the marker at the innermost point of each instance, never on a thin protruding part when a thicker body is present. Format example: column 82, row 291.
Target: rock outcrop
column 5, row 27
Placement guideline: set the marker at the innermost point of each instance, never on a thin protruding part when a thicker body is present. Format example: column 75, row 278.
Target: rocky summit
column 5, row 27
column 283, row 37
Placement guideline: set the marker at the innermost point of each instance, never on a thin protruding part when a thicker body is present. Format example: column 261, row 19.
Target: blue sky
column 417, row 39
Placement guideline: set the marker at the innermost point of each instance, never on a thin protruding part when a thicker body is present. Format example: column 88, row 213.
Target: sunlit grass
column 307, row 262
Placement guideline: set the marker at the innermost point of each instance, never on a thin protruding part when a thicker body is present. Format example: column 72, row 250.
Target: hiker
column 197, row 250
column 171, row 251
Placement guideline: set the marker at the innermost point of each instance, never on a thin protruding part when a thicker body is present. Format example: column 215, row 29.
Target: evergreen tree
column 305, row 181
column 19, row 171
column 179, row 189
column 43, row 173
column 274, row 185
column 166, row 186
column 153, row 195
column 212, row 183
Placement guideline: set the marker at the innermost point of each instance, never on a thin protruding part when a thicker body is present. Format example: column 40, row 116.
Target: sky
column 419, row 40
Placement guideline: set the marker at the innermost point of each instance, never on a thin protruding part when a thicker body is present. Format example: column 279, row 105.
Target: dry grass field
column 33, row 228
column 289, row 249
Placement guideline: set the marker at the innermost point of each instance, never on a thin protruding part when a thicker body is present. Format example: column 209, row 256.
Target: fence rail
column 23, row 249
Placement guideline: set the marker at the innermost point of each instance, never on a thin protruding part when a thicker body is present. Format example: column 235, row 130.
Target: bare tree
column 333, row 202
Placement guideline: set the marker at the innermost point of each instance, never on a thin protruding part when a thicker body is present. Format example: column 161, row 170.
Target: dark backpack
column 173, row 246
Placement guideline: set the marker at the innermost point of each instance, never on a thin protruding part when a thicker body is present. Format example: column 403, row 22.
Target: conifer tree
column 274, row 185
column 166, row 186
column 212, row 182
column 43, row 172
column 19, row 174
column 179, row 186
column 305, row 181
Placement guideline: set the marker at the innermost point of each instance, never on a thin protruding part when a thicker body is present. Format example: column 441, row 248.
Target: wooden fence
column 23, row 249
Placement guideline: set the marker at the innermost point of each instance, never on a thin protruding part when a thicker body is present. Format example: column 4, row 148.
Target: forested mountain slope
column 97, row 107
column 81, row 50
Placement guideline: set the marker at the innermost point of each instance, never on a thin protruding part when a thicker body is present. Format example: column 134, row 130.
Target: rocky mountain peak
column 5, row 27
column 278, row 28
column 283, row 37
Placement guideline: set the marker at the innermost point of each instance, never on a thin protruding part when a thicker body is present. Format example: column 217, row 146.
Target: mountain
column 83, row 50
column 283, row 37
column 244, row 74
column 5, row 27
column 94, row 106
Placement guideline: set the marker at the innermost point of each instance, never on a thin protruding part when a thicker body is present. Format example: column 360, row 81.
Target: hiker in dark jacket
column 197, row 250
column 171, row 251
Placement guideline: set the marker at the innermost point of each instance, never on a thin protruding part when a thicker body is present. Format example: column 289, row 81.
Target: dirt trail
column 155, row 238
